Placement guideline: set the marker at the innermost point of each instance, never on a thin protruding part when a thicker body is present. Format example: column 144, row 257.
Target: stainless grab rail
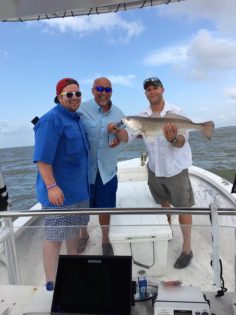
column 93, row 211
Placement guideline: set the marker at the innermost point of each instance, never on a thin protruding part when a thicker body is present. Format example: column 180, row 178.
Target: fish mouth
column 121, row 123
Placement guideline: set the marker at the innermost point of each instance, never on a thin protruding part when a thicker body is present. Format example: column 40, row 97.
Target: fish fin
column 148, row 138
column 176, row 116
column 208, row 128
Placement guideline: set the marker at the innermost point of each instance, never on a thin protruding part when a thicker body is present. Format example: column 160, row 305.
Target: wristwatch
column 174, row 141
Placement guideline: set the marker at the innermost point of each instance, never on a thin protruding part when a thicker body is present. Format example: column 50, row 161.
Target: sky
column 190, row 45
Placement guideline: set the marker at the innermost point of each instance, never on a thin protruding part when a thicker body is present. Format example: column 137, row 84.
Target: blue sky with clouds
column 190, row 45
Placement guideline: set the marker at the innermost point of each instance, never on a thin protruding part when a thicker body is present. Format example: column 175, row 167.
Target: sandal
column 82, row 243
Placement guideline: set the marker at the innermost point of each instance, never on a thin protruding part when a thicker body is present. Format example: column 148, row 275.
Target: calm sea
column 217, row 156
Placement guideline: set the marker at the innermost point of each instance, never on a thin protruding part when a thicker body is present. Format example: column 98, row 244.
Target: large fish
column 150, row 127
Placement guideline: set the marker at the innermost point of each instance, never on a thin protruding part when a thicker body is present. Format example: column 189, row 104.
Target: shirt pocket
column 73, row 142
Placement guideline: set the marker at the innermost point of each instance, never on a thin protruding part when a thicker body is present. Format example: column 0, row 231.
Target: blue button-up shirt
column 60, row 141
column 101, row 156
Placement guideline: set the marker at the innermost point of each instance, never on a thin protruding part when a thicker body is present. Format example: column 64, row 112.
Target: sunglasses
column 107, row 89
column 71, row 94
column 154, row 80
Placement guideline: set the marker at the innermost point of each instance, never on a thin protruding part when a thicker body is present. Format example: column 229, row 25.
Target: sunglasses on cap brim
column 71, row 94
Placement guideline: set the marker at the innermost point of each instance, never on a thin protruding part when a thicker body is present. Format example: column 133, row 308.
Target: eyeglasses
column 71, row 94
column 107, row 89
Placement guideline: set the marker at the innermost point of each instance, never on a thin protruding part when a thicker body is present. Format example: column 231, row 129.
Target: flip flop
column 82, row 243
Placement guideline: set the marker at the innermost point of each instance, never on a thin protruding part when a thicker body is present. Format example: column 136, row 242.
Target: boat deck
column 35, row 300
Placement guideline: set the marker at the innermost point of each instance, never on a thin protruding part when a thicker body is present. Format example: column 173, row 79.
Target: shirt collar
column 99, row 108
column 61, row 108
column 148, row 112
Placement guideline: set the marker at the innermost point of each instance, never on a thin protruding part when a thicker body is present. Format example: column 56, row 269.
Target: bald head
column 102, row 81
column 102, row 92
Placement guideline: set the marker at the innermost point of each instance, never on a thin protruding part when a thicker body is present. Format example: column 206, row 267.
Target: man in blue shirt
column 96, row 115
column 61, row 154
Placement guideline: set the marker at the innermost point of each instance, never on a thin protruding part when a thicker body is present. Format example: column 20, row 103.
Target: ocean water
column 217, row 156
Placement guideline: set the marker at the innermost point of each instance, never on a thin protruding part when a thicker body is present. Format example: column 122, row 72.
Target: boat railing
column 21, row 252
column 123, row 210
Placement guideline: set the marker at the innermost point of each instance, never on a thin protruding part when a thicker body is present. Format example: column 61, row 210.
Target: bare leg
column 83, row 232
column 82, row 240
column 51, row 250
column 166, row 204
column 104, row 220
column 186, row 255
column 185, row 221
column 71, row 246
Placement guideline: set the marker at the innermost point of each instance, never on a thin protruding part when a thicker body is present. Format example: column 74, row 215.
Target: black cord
column 140, row 264
column 222, row 291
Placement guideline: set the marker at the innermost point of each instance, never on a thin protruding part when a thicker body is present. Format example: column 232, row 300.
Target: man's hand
column 56, row 196
column 112, row 128
column 170, row 132
column 120, row 133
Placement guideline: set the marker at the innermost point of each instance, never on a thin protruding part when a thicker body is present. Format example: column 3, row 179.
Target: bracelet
column 51, row 186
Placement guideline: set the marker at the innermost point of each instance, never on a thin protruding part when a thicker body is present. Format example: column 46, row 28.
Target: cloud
column 212, row 53
column 14, row 134
column 203, row 108
column 222, row 13
column 231, row 93
column 124, row 80
column 201, row 59
column 168, row 55
column 86, row 25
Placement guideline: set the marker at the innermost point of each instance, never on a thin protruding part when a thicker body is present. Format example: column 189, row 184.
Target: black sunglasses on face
column 71, row 94
column 107, row 89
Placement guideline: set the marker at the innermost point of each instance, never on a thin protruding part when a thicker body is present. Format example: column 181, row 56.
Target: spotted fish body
column 150, row 127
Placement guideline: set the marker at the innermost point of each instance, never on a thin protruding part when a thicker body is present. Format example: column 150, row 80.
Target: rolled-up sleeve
column 47, row 136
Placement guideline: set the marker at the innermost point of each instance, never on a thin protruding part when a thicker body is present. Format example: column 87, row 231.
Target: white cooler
column 145, row 237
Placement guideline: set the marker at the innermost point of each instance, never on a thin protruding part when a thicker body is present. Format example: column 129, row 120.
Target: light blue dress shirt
column 101, row 156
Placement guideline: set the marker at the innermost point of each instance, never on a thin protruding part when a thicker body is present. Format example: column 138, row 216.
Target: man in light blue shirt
column 96, row 115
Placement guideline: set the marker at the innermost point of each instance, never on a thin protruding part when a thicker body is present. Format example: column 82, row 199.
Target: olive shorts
column 175, row 189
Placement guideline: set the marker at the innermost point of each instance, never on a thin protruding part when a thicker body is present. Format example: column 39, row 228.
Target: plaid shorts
column 60, row 228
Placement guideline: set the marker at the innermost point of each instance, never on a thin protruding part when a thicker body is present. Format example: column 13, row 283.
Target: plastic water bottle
column 142, row 284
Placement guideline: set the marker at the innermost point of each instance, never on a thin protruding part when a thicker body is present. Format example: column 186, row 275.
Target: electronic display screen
column 93, row 285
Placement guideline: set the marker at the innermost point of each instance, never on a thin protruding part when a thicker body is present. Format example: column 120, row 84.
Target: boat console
column 180, row 301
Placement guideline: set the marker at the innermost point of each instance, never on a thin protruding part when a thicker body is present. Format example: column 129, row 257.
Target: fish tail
column 208, row 128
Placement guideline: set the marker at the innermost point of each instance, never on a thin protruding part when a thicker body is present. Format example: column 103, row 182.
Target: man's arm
column 55, row 194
